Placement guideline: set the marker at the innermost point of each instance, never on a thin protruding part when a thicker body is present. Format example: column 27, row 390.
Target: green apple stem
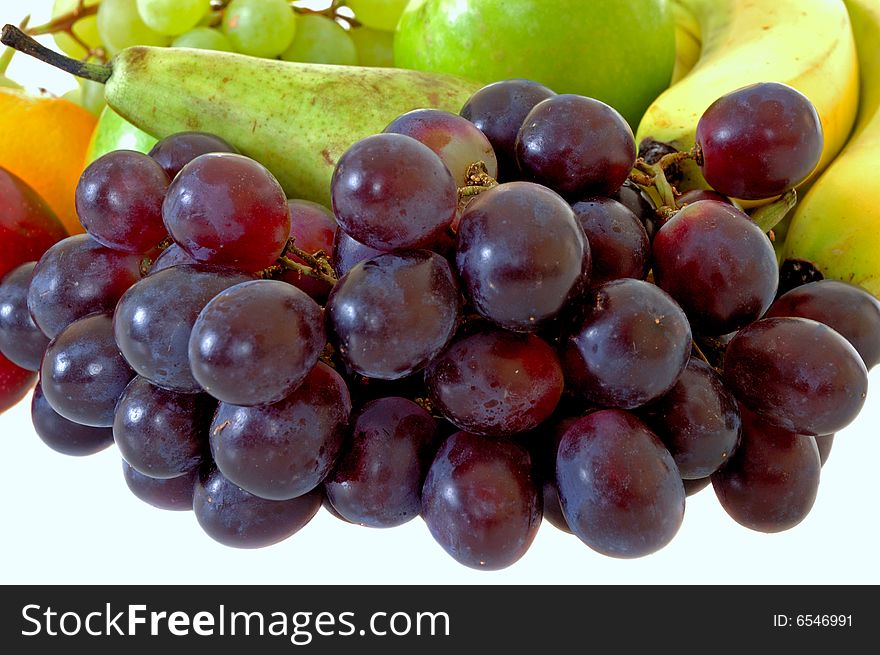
column 768, row 216
column 15, row 38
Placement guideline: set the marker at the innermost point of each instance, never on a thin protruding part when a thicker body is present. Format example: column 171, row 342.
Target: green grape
column 374, row 47
column 85, row 28
column 172, row 17
column 120, row 26
column 91, row 95
column 378, row 14
column 320, row 40
column 203, row 38
column 260, row 28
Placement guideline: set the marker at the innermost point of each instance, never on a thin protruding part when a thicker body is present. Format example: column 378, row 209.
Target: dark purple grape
column 499, row 110
column 619, row 487
column 161, row 433
column 347, row 252
column 391, row 315
column 174, row 494
column 850, row 310
column 824, row 443
column 174, row 152
column 717, row 264
column 630, row 346
column 76, row 277
column 378, row 480
column 65, row 436
column 83, row 373
column 171, row 256
column 229, row 210
column 481, row 501
column 553, row 508
column 389, row 191
column 759, row 141
column 285, row 449
column 154, row 319
column 233, row 517
column 254, row 343
column 633, row 198
column 496, row 383
column 796, row 374
column 119, row 201
column 521, row 255
column 772, row 479
column 692, row 487
column 326, row 504
column 695, row 195
column 21, row 341
column 619, row 244
column 575, row 145
column 456, row 140
column 697, row 420
column 312, row 228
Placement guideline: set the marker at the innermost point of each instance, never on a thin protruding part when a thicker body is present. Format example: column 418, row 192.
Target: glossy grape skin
column 15, row 382
column 162, row 434
column 695, row 195
column 619, row 487
column 796, row 374
column 456, row 140
column 171, row 256
column 631, row 196
column 389, row 192
column 285, row 449
column 771, row 482
column 824, row 443
column 619, row 244
column 21, row 341
column 154, row 319
column 119, row 201
column 83, row 373
column 630, row 346
column 229, row 210
column 312, row 228
column 255, row 342
column 495, row 383
column 233, row 517
column 62, row 435
column 575, row 145
column 348, row 251
column 76, row 277
column 481, row 501
column 718, row 266
column 848, row 309
column 498, row 110
column 177, row 150
column 553, row 507
column 173, row 494
column 377, row 481
column 692, row 487
column 521, row 255
column 759, row 141
column 697, row 420
column 391, row 315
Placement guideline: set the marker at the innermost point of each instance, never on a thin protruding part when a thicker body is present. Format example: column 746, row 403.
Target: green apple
column 619, row 51
column 113, row 132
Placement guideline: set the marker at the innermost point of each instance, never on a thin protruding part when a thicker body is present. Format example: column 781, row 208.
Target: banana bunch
column 837, row 224
column 807, row 44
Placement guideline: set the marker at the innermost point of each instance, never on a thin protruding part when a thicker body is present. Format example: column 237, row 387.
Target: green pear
column 619, row 51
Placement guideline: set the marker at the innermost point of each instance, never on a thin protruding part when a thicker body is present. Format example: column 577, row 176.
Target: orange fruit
column 43, row 140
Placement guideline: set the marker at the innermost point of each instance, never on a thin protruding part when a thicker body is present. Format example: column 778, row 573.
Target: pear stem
column 15, row 38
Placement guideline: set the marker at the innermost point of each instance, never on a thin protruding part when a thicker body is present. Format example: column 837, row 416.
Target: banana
column 807, row 44
column 688, row 41
column 837, row 224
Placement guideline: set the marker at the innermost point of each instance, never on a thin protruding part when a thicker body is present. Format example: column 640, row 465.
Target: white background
column 72, row 520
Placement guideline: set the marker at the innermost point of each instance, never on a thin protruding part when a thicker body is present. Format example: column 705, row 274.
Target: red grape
column 171, row 256
column 824, row 443
column 174, row 152
column 312, row 228
column 619, row 244
column 21, row 341
column 347, row 252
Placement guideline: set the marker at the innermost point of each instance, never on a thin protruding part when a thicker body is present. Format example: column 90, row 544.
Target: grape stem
column 316, row 265
column 15, row 38
column 331, row 12
column 768, row 216
column 66, row 22
column 651, row 178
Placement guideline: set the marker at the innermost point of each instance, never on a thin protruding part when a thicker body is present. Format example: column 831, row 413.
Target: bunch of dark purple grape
column 578, row 341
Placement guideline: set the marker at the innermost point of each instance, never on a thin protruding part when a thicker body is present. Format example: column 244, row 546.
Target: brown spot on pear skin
column 327, row 158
